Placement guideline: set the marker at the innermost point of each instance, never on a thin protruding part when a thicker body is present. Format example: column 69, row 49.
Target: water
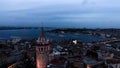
column 35, row 33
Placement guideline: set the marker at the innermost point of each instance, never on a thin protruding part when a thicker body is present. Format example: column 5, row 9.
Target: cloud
column 85, row 12
column 84, row 2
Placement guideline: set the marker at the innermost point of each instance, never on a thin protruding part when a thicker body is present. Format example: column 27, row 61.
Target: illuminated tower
column 42, row 50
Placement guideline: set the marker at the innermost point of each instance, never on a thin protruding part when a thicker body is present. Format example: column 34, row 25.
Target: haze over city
column 61, row 13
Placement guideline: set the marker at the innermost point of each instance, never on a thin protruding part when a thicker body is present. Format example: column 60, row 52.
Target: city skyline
column 60, row 13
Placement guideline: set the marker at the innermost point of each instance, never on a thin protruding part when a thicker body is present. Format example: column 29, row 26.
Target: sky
column 61, row 13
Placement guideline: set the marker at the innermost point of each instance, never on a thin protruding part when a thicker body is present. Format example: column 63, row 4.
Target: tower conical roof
column 42, row 38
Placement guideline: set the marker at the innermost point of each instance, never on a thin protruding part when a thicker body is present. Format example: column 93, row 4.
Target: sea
column 35, row 33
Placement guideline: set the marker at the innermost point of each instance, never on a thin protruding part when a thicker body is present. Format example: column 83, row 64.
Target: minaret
column 42, row 50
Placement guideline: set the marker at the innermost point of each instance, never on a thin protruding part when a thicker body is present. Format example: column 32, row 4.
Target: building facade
column 42, row 50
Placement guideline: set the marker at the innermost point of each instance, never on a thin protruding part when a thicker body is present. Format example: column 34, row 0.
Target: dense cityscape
column 43, row 52
column 59, row 33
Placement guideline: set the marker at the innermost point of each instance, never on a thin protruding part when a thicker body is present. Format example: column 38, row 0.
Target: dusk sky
column 61, row 13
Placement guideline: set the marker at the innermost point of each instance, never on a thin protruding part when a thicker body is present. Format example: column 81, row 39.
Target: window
column 41, row 49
